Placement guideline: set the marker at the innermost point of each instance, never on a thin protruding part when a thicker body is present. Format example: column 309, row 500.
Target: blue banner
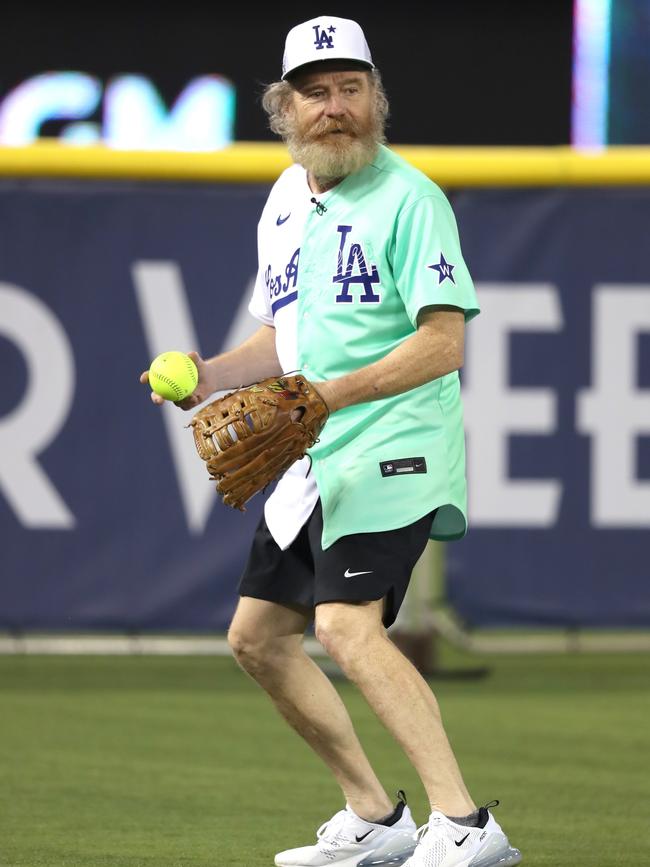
column 558, row 409
column 108, row 520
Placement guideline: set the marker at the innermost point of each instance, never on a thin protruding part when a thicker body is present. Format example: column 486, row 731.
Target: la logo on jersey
column 356, row 271
column 322, row 38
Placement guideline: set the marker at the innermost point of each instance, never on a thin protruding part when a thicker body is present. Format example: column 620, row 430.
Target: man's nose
column 334, row 106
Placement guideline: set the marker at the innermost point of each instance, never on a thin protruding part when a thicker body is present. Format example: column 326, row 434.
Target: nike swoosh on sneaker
column 348, row 574
column 460, row 842
column 363, row 836
column 280, row 220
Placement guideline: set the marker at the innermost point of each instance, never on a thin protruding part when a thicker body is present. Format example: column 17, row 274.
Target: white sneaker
column 349, row 841
column 443, row 843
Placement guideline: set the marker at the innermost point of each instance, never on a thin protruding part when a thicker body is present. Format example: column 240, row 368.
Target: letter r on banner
column 36, row 421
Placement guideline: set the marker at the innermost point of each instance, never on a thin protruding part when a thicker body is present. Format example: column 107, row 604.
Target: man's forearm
column 423, row 357
column 256, row 358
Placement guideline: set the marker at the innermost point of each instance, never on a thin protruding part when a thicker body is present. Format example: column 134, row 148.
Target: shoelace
column 422, row 830
column 419, row 834
column 329, row 832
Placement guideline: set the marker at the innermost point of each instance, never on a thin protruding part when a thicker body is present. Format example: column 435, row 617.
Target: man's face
column 333, row 125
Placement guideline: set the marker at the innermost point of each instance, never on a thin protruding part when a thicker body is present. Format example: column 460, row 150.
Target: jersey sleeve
column 428, row 264
column 259, row 305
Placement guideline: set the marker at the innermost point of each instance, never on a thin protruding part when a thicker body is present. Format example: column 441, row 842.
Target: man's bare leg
column 266, row 639
column 354, row 635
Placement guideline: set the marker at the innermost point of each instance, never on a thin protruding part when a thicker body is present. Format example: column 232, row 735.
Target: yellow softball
column 173, row 375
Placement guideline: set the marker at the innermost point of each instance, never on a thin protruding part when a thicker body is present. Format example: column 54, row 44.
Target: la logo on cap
column 324, row 38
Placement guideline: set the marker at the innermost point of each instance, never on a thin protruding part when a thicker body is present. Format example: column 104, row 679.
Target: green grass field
column 183, row 762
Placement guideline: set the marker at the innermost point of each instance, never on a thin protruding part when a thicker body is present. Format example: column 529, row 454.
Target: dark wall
column 628, row 117
column 456, row 72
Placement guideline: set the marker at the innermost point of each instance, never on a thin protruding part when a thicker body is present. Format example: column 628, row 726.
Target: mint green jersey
column 381, row 246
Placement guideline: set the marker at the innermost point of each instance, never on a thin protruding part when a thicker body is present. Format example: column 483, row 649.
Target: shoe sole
column 507, row 857
column 366, row 859
column 395, row 859
column 498, row 853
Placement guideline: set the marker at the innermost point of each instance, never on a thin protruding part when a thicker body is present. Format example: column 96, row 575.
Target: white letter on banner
column 39, row 417
column 494, row 410
column 613, row 411
column 167, row 322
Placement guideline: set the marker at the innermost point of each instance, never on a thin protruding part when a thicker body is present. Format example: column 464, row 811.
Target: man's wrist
column 328, row 393
column 214, row 373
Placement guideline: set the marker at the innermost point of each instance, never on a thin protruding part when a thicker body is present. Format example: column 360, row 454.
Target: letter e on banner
column 614, row 411
column 494, row 410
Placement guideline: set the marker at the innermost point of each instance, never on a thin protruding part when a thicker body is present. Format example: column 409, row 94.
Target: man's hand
column 205, row 385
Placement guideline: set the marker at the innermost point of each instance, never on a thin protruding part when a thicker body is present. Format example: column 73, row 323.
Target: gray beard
column 331, row 162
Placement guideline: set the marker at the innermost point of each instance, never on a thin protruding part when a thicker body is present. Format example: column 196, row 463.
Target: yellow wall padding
column 261, row 162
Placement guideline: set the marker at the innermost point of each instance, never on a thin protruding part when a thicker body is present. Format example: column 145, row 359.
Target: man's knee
column 253, row 653
column 346, row 630
column 263, row 633
column 263, row 655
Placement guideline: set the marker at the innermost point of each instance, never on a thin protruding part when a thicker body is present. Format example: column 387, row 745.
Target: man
column 362, row 287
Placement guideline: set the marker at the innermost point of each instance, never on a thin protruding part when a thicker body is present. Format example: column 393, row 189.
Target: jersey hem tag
column 403, row 466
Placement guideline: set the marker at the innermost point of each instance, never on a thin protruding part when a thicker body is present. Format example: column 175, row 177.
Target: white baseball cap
column 325, row 38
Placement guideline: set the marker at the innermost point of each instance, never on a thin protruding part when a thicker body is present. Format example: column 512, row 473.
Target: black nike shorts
column 361, row 567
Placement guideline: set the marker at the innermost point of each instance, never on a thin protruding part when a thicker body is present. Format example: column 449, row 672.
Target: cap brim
column 336, row 64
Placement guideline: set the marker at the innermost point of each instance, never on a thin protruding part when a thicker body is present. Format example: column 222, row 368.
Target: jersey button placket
column 305, row 332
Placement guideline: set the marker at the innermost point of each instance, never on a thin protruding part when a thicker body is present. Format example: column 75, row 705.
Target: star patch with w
column 444, row 269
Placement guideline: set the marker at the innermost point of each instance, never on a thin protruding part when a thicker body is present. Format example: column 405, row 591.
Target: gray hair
column 276, row 99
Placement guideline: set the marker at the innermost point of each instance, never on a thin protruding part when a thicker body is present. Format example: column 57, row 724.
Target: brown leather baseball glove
column 249, row 437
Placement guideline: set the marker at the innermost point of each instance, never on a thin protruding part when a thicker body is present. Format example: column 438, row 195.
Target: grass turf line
column 183, row 762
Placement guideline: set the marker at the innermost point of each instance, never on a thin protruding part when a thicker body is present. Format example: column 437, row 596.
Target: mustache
column 326, row 125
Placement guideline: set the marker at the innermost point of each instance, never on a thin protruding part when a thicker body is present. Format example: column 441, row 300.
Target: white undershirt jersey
column 274, row 302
